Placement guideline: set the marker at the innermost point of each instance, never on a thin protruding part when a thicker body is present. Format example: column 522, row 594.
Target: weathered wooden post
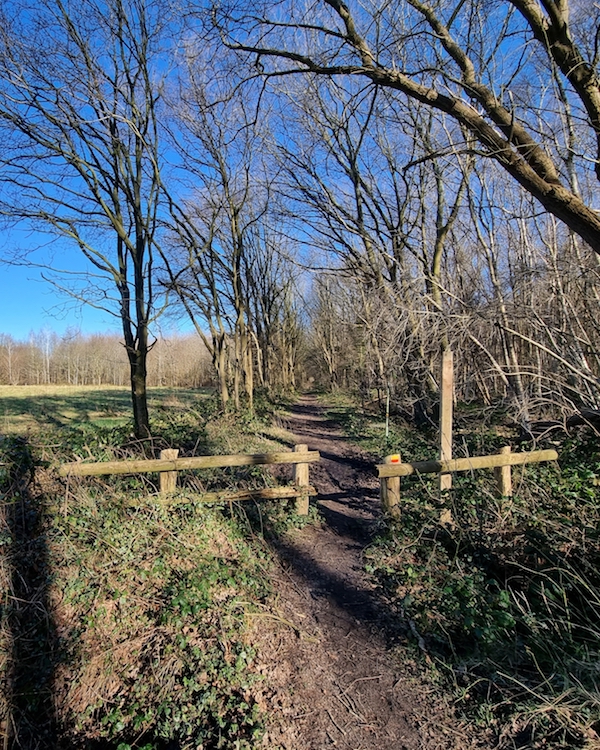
column 301, row 480
column 504, row 476
column 390, row 489
column 446, row 408
column 168, row 479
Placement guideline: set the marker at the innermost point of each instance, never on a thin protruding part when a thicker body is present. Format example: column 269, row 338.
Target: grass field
column 27, row 409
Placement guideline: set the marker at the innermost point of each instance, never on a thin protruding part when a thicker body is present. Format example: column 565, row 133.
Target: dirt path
column 343, row 677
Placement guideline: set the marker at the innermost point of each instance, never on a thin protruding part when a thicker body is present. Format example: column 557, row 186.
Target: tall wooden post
column 301, row 480
column 390, row 489
column 168, row 479
column 446, row 408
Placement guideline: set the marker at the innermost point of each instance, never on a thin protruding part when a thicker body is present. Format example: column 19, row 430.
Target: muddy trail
column 340, row 658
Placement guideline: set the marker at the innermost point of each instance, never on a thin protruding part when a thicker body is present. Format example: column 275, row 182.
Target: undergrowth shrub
column 505, row 593
column 146, row 606
column 151, row 606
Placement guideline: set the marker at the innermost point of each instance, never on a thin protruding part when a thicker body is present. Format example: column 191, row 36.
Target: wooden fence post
column 504, row 476
column 168, row 479
column 301, row 480
column 446, row 407
column 390, row 489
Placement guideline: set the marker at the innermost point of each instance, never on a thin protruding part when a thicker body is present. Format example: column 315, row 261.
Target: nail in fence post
column 301, row 480
column 390, row 489
column 168, row 479
column 504, row 476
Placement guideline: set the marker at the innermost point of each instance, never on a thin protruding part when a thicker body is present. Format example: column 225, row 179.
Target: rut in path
column 337, row 683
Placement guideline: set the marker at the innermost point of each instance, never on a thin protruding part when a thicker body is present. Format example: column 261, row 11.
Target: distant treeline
column 100, row 359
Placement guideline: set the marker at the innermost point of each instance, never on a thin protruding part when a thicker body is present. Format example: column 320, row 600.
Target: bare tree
column 375, row 193
column 222, row 244
column 485, row 65
column 273, row 291
column 11, row 360
column 79, row 97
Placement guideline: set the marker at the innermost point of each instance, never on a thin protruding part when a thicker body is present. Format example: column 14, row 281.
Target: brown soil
column 338, row 657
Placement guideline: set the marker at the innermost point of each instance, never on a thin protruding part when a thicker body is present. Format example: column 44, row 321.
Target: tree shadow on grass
column 28, row 630
column 28, row 409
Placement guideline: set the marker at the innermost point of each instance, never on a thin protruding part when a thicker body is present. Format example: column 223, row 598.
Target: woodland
column 325, row 193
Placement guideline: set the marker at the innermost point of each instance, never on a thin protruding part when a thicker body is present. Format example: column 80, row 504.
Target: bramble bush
column 505, row 592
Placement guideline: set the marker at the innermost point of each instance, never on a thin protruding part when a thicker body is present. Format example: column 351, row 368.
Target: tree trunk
column 139, row 397
column 220, row 364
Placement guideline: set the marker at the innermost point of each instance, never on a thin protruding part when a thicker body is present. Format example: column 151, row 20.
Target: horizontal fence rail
column 179, row 464
column 393, row 469
column 465, row 464
column 169, row 464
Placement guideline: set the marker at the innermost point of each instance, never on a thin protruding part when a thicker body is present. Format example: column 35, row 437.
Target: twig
column 362, row 679
column 419, row 639
column 334, row 722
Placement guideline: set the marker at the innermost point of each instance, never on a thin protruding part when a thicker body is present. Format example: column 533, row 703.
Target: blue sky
column 30, row 304
column 27, row 303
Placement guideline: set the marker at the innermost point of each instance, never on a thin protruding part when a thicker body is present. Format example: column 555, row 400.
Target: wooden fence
column 393, row 469
column 169, row 464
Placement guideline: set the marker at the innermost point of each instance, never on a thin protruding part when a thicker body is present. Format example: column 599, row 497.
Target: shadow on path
column 329, row 559
column 28, row 633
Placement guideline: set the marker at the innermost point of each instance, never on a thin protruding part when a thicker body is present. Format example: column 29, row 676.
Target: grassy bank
column 124, row 622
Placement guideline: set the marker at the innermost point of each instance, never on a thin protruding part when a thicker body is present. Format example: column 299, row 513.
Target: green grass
column 30, row 409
